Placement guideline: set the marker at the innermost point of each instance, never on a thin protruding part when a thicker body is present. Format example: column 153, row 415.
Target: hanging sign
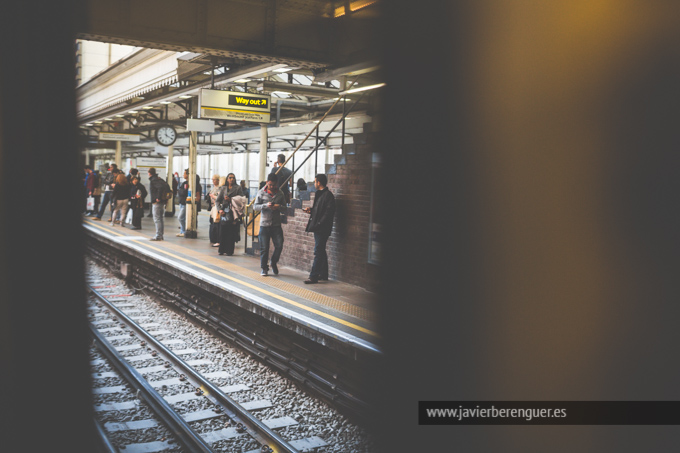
column 119, row 137
column 234, row 106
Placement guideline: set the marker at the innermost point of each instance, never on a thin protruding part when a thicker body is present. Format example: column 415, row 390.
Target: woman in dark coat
column 137, row 195
column 229, row 231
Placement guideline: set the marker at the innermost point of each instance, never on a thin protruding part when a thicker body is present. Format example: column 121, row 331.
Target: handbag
column 90, row 203
column 97, row 191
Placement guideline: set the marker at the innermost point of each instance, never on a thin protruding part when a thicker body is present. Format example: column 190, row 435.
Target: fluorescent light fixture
column 97, row 122
column 185, row 96
column 108, row 119
column 89, row 124
column 119, row 116
column 242, row 80
column 367, row 87
column 282, row 69
column 133, row 111
column 166, row 102
column 147, row 107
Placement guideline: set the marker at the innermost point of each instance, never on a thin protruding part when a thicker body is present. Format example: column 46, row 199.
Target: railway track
column 167, row 377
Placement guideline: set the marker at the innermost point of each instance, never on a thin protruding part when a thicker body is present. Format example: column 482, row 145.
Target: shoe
column 215, row 245
column 110, row 220
column 117, row 222
column 221, row 253
column 96, row 218
column 264, row 272
column 309, row 281
column 180, row 235
column 135, row 228
column 275, row 269
column 156, row 239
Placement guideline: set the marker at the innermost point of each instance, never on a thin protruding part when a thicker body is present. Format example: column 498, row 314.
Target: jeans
column 320, row 264
column 158, row 214
column 182, row 218
column 276, row 235
column 105, row 203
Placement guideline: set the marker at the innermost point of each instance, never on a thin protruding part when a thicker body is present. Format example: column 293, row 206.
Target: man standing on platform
column 282, row 175
column 182, row 194
column 158, row 189
column 321, row 224
column 269, row 201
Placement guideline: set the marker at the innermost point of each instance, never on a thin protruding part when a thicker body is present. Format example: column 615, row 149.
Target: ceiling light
column 282, row 69
column 367, row 87
column 133, row 111
column 147, row 107
column 242, row 80
column 166, row 102
column 185, row 96
column 108, row 119
column 97, row 122
column 119, row 116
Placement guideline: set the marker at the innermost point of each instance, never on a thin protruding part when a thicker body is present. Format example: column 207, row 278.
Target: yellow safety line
column 296, row 304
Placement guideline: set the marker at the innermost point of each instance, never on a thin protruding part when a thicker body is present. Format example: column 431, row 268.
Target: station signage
column 202, row 147
column 119, row 137
column 234, row 106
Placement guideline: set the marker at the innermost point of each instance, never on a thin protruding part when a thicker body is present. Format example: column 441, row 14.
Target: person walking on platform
column 269, row 202
column 158, row 189
column 214, row 231
column 90, row 184
column 121, row 195
column 282, row 175
column 137, row 195
column 229, row 195
column 321, row 224
column 108, row 191
column 97, row 193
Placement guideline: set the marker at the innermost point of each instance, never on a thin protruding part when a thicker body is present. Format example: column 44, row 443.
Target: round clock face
column 166, row 135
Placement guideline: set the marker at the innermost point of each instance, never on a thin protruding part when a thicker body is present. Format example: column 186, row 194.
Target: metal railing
column 250, row 222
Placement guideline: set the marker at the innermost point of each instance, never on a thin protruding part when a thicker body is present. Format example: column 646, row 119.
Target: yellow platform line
column 256, row 288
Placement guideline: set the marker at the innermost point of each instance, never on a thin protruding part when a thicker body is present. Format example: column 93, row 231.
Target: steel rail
column 236, row 413
column 105, row 445
column 185, row 435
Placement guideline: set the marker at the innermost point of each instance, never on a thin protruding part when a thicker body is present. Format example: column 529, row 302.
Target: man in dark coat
column 321, row 224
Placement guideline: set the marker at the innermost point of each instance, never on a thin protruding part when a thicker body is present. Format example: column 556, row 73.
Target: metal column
column 170, row 171
column 119, row 155
column 263, row 153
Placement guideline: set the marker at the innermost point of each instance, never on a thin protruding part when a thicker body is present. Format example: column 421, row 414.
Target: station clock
column 166, row 135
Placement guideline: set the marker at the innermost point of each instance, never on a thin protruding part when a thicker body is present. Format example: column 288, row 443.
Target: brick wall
column 350, row 181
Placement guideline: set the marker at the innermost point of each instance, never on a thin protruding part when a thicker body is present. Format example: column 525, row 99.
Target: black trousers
column 214, row 231
column 229, row 234
column 137, row 214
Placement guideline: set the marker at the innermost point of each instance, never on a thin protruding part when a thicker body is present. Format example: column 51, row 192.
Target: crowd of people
column 227, row 202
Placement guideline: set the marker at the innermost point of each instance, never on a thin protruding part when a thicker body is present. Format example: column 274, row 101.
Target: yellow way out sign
column 234, row 106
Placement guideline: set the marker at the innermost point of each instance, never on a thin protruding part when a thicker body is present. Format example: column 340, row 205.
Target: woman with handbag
column 137, row 195
column 229, row 221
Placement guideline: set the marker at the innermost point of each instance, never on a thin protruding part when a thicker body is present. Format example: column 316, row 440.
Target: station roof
column 157, row 86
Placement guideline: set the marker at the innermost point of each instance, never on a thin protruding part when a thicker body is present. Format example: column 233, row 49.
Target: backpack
column 166, row 192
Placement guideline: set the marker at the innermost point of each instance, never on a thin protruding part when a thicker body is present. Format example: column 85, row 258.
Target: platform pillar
column 119, row 154
column 263, row 153
column 169, row 212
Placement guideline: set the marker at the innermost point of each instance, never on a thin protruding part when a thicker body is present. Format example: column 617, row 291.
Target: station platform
column 329, row 311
